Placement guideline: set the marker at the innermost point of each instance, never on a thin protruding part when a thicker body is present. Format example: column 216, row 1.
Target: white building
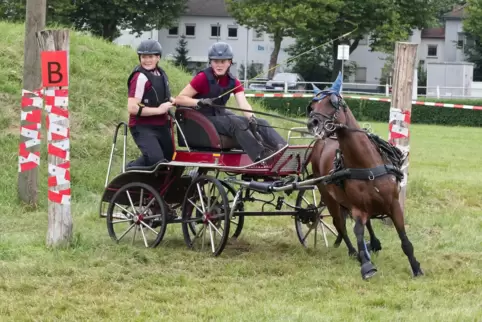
column 207, row 21
column 204, row 23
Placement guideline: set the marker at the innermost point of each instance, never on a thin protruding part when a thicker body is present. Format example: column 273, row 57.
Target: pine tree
column 181, row 58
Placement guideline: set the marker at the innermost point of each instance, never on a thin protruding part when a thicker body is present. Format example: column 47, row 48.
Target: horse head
column 324, row 117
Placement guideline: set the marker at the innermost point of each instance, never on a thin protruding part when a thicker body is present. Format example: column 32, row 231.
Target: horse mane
column 387, row 151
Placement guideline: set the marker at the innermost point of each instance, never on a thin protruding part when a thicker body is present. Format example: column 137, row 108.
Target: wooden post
column 401, row 105
column 29, row 152
column 54, row 45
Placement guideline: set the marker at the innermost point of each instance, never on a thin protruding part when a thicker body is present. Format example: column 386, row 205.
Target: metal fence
column 439, row 92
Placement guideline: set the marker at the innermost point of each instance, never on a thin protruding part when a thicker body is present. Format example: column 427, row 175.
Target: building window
column 232, row 32
column 215, row 30
column 460, row 40
column 361, row 75
column 257, row 35
column 190, row 30
column 174, row 31
column 432, row 51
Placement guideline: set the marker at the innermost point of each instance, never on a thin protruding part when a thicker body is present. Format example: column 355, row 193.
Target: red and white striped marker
column 32, row 101
column 368, row 98
column 58, row 132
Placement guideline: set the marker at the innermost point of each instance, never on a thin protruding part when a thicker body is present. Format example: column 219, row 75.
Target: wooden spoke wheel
column 205, row 215
column 236, row 220
column 309, row 223
column 137, row 213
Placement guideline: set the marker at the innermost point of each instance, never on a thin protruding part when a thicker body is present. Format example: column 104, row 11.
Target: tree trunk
column 108, row 31
column 278, row 38
column 32, row 81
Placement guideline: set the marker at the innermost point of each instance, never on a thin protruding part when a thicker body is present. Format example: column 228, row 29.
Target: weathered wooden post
column 30, row 120
column 401, row 104
column 54, row 46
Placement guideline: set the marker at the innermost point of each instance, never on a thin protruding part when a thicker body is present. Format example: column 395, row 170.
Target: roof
column 433, row 33
column 212, row 8
column 459, row 12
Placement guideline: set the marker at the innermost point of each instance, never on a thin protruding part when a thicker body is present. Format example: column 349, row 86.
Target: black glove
column 204, row 102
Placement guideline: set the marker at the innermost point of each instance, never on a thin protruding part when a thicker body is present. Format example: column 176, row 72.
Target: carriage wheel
column 205, row 215
column 237, row 221
column 309, row 221
column 137, row 211
column 104, row 205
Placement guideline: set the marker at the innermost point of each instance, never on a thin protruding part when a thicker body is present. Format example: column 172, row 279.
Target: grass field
column 266, row 275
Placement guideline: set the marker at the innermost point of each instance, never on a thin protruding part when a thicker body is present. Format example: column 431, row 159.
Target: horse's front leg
column 367, row 268
column 375, row 244
column 407, row 247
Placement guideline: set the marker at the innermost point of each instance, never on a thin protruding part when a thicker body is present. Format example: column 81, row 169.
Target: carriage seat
column 200, row 133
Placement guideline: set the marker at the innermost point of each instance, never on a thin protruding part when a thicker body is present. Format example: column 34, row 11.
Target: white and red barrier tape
column 56, row 103
column 30, row 129
column 368, row 98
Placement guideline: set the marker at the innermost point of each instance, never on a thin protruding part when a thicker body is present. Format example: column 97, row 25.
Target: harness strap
column 364, row 174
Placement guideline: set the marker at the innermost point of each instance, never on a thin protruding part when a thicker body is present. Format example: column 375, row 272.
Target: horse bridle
column 329, row 121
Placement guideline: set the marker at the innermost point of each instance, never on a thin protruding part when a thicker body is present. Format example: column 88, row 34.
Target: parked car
column 258, row 84
column 293, row 81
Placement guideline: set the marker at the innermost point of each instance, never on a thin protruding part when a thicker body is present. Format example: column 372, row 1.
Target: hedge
column 379, row 111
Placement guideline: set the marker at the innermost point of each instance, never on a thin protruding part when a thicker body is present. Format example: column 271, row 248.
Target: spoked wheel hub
column 309, row 221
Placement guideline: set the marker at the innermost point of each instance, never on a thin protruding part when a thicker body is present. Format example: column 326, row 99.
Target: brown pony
column 366, row 178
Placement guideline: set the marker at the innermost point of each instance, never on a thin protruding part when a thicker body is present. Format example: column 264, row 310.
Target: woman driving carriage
column 149, row 100
column 203, row 93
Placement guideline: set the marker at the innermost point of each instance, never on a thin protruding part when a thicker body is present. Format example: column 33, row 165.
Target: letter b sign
column 54, row 68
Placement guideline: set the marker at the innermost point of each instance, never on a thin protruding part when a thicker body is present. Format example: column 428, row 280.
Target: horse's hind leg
column 367, row 268
column 375, row 244
column 407, row 247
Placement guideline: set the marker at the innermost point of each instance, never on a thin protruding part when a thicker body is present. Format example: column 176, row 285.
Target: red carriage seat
column 200, row 133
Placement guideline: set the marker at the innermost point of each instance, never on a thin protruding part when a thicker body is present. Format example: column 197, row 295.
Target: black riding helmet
column 220, row 50
column 149, row 47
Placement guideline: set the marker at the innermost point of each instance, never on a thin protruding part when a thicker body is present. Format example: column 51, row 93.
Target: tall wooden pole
column 54, row 45
column 29, row 143
column 401, row 105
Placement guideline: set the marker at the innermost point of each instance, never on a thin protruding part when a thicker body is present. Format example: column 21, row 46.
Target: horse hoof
column 368, row 270
column 418, row 273
column 374, row 247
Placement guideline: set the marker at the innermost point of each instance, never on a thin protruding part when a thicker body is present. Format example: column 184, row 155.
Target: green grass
column 266, row 275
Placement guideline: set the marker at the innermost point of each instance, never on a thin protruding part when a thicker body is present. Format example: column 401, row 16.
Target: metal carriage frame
column 200, row 184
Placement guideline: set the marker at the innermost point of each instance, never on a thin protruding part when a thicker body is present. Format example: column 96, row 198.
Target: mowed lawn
column 264, row 276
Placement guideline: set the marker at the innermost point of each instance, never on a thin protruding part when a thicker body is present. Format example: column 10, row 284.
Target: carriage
column 207, row 188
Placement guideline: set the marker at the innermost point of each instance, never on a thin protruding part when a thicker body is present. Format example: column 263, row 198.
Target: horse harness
column 339, row 173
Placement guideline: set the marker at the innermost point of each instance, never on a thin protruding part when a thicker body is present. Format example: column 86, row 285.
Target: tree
column 473, row 26
column 280, row 18
column 181, row 58
column 383, row 21
column 318, row 64
column 252, row 71
column 103, row 18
